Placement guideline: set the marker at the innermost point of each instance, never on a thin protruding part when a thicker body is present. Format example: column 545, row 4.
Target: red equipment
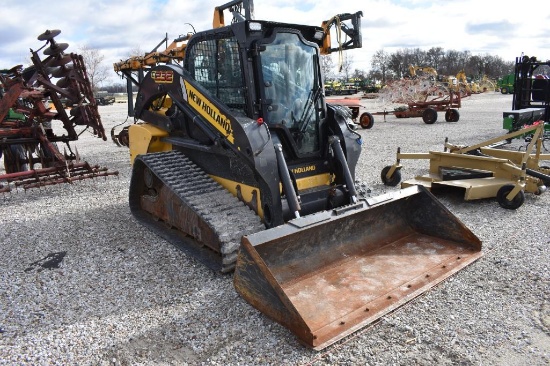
column 30, row 100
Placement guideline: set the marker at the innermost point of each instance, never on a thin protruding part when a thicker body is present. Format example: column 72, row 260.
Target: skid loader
column 238, row 160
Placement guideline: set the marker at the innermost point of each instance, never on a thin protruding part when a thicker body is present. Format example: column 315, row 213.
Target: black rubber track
column 227, row 217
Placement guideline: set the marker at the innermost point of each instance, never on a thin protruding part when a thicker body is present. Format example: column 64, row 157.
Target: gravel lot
column 123, row 296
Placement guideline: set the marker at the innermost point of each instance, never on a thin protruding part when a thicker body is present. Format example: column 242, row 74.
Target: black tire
column 366, row 120
column 393, row 180
column 452, row 115
column 429, row 116
column 124, row 137
column 15, row 159
column 515, row 203
column 546, row 168
column 504, row 90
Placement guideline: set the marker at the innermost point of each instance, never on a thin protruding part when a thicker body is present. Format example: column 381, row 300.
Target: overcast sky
column 504, row 28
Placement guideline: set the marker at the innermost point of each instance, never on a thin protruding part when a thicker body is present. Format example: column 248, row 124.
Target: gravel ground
column 123, row 296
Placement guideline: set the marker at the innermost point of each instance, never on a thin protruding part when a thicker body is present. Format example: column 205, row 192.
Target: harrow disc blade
column 63, row 83
column 14, row 70
column 59, row 61
column 51, row 70
column 49, row 34
column 61, row 71
column 56, row 49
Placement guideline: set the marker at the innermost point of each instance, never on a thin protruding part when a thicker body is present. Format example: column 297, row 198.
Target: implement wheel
column 452, row 115
column 366, row 120
column 546, row 169
column 429, row 116
column 393, row 180
column 515, row 203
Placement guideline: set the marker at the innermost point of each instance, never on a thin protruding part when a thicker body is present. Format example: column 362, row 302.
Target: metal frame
column 490, row 168
column 37, row 96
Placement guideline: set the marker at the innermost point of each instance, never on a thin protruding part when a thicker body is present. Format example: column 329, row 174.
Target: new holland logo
column 304, row 169
column 210, row 112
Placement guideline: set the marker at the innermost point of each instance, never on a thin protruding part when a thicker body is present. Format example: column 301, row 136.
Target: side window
column 204, row 63
column 216, row 65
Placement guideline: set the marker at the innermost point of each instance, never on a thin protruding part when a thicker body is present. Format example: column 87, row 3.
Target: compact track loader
column 238, row 159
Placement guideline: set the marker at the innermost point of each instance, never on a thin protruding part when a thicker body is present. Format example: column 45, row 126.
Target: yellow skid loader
column 238, row 160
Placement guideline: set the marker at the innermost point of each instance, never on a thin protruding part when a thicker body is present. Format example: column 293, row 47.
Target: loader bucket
column 326, row 275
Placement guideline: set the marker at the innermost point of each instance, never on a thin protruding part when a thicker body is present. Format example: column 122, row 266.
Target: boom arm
column 353, row 32
column 236, row 7
column 424, row 69
column 174, row 51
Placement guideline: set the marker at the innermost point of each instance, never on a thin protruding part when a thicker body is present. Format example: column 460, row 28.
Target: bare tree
column 399, row 63
column 347, row 66
column 97, row 72
column 434, row 57
column 476, row 66
column 136, row 51
column 327, row 67
column 359, row 74
column 452, row 63
column 380, row 65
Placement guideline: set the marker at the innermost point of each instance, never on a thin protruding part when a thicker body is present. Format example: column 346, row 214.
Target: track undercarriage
column 175, row 198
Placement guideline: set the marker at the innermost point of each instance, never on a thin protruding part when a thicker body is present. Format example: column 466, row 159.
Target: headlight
column 254, row 27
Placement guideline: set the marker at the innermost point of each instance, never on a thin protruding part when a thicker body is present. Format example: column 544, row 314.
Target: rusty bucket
column 327, row 275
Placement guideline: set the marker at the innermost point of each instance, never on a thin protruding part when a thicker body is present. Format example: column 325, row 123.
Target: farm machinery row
column 34, row 101
column 483, row 170
column 486, row 170
column 416, row 99
column 423, row 94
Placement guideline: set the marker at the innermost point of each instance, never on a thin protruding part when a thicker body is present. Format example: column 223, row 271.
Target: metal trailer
column 366, row 120
column 428, row 108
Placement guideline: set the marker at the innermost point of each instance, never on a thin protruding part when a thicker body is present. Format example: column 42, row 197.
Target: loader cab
column 272, row 73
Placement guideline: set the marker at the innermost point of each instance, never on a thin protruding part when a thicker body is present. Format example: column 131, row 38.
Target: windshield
column 292, row 88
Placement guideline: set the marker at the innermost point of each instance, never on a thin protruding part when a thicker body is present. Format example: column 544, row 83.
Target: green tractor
column 506, row 84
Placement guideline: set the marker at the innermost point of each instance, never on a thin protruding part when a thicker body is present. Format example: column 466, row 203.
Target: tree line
column 387, row 66
column 391, row 66
column 384, row 66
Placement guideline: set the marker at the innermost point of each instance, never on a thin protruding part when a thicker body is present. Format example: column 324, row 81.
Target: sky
column 500, row 28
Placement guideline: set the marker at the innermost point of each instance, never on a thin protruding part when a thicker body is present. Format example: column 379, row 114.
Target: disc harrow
column 55, row 87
